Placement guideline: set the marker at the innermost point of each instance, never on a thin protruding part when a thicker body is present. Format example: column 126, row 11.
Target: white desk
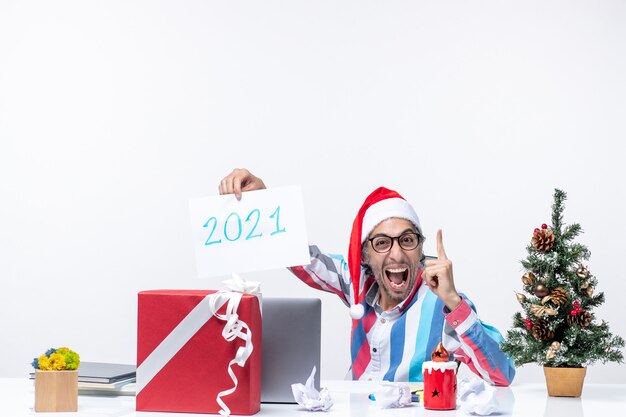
column 17, row 398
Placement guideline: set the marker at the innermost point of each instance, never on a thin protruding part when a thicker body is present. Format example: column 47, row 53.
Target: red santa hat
column 380, row 205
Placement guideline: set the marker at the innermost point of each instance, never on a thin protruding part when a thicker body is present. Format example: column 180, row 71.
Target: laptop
column 291, row 345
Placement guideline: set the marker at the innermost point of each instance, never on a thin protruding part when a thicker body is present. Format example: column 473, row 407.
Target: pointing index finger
column 441, row 253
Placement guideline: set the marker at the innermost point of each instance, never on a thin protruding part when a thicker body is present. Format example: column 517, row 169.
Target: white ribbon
column 189, row 326
column 233, row 329
column 239, row 284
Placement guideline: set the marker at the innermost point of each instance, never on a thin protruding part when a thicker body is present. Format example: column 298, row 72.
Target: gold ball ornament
column 521, row 298
column 589, row 291
column 541, row 290
column 529, row 278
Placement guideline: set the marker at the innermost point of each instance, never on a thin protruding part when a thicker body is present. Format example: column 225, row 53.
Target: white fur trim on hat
column 357, row 311
column 386, row 209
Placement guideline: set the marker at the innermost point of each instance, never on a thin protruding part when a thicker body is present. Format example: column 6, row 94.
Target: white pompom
column 356, row 311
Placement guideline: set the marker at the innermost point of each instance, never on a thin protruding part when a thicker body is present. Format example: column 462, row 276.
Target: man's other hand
column 238, row 181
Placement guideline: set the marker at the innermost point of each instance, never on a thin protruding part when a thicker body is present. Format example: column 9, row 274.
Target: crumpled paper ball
column 477, row 397
column 390, row 395
column 308, row 397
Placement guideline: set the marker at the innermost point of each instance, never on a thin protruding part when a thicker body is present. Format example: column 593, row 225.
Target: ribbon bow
column 238, row 284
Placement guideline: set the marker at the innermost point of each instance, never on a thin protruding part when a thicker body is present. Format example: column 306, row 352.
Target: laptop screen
column 291, row 345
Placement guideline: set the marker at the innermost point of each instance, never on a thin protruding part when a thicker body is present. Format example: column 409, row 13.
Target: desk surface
column 351, row 399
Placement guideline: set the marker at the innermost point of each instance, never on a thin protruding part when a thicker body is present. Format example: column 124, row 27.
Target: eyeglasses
column 383, row 243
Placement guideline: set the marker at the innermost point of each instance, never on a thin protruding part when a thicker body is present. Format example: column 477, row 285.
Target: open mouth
column 397, row 277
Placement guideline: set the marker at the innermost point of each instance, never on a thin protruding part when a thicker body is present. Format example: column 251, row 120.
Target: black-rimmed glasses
column 384, row 243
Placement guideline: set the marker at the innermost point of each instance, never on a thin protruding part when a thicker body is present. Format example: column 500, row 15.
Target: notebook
column 291, row 345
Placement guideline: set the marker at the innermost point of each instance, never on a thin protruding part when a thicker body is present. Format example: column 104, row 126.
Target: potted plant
column 557, row 328
column 56, row 380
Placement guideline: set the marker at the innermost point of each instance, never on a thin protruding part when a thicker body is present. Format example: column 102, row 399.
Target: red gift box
column 183, row 358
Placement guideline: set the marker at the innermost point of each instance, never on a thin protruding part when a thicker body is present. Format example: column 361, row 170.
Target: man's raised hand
column 439, row 277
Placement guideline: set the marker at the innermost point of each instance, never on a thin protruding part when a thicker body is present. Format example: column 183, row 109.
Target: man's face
column 396, row 270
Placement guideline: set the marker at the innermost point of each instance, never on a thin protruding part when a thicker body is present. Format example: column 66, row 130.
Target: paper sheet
column 266, row 229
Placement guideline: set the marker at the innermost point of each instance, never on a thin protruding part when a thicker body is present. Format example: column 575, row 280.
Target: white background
column 113, row 114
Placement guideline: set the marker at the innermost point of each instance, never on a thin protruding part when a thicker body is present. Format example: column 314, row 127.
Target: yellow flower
column 44, row 363
column 56, row 362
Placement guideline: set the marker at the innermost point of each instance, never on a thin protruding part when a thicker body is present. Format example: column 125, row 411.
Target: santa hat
column 380, row 205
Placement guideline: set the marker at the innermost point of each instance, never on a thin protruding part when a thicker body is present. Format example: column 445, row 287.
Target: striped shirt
column 392, row 345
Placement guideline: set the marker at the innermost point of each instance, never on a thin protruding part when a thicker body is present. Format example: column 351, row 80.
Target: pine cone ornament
column 541, row 331
column 543, row 240
column 582, row 318
column 557, row 297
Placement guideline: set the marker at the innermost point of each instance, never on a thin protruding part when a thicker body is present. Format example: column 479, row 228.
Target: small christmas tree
column 557, row 327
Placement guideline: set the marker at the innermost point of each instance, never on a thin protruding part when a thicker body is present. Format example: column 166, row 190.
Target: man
column 401, row 305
